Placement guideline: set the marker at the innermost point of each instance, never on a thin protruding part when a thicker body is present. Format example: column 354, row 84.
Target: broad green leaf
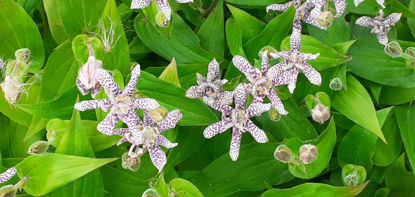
column 184, row 188
column 254, row 3
column 272, row 35
column 172, row 97
column 161, row 187
column 19, row 31
column 364, row 8
column 111, row 32
column 52, row 170
column 411, row 21
column 13, row 112
column 405, row 115
column 399, row 181
column 54, row 20
column 395, row 95
column 29, row 5
column 355, row 104
column 397, row 6
column 79, row 16
column 248, row 24
column 338, row 32
column 170, row 74
column 328, row 56
column 316, row 189
column 212, row 32
column 325, row 144
column 234, row 37
column 343, row 47
column 224, row 176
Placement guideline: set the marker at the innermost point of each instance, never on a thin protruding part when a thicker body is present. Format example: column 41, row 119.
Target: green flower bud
column 283, row 154
column 393, row 49
column 410, row 51
column 8, row 191
column 162, row 20
column 38, row 148
column 150, row 193
column 325, row 19
column 130, row 163
column 274, row 114
column 336, row 84
column 23, row 55
column 353, row 175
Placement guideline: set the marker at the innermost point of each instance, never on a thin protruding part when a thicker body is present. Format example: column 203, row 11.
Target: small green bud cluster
column 308, row 154
column 394, row 50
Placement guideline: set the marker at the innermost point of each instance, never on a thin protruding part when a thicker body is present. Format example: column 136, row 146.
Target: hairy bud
column 162, row 20
column 393, row 49
column 320, row 113
column 325, row 19
column 353, row 175
column 283, row 154
column 131, row 163
column 38, row 148
column 308, row 153
column 8, row 191
column 22, row 55
column 336, row 84
column 12, row 89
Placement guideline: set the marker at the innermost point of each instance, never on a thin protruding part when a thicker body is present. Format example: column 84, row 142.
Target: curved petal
column 278, row 75
column 256, row 109
column 340, row 7
column 131, row 119
column 276, row 102
column 130, row 88
column 161, row 140
column 217, row 128
column 245, row 67
column 104, row 104
column 235, row 144
column 312, row 21
column 382, row 38
column 310, row 56
column 145, row 103
column 158, row 157
column 293, row 79
column 226, row 97
column 218, row 105
column 295, row 38
column 365, row 21
column 107, row 125
column 165, row 8
column 81, row 87
column 259, row 98
column 213, row 71
column 148, row 121
column 193, row 92
column 108, row 83
column 139, row 4
column 264, row 62
column 96, row 90
column 281, row 54
column 7, row 175
column 279, row 7
column 240, row 96
column 257, row 133
column 312, row 74
column 121, row 131
column 170, row 121
column 393, row 18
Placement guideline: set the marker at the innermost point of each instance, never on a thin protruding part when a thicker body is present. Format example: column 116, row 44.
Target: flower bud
column 150, row 193
column 22, row 55
column 336, row 84
column 269, row 50
column 308, row 153
column 283, row 154
column 130, row 163
column 320, row 113
column 410, row 51
column 158, row 114
column 393, row 49
column 38, row 148
column 274, row 114
column 86, row 80
column 162, row 20
column 8, row 191
column 12, row 89
column 353, row 175
column 325, row 19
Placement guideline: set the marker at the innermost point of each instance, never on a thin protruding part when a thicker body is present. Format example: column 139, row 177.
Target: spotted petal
column 365, row 21
column 81, row 87
column 235, row 144
column 104, row 104
column 256, row 109
column 161, row 140
column 131, row 118
column 382, row 38
column 130, row 88
column 264, row 62
column 193, row 92
column 312, row 74
column 295, row 38
column 158, row 157
column 170, row 121
column 281, row 54
column 213, row 71
column 145, row 103
column 7, row 175
column 165, row 8
column 279, row 7
column 340, row 7
column 107, row 126
column 245, row 67
column 217, row 128
column 218, row 105
column 226, row 97
column 148, row 121
column 278, row 75
column 393, row 18
column 108, row 83
column 293, row 79
column 240, row 96
column 276, row 102
column 139, row 4
column 257, row 133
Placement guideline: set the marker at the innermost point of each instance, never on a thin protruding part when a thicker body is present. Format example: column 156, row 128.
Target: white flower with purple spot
column 7, row 175
column 86, row 80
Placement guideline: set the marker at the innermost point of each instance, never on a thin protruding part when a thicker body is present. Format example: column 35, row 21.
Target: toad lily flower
column 239, row 119
column 260, row 85
column 286, row 72
column 211, row 87
column 379, row 25
column 121, row 104
column 86, row 80
column 149, row 136
column 7, row 175
column 163, row 4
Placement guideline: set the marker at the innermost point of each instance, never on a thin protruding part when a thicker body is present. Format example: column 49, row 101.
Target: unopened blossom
column 12, row 89
column 260, row 84
column 283, row 154
column 380, row 2
column 380, row 25
column 286, row 71
column 162, row 4
column 210, row 89
column 148, row 136
column 238, row 119
column 308, row 153
column 121, row 104
column 320, row 113
column 7, row 175
column 86, row 80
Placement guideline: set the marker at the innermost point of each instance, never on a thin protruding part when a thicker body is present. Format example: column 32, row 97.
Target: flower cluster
column 122, row 106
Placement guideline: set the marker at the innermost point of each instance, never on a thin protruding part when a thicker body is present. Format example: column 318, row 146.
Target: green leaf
column 405, row 116
column 52, row 170
column 29, row 5
column 316, row 189
column 212, row 32
column 14, row 113
column 411, row 21
column 19, row 31
column 248, row 24
column 54, row 20
column 395, row 95
column 254, row 3
column 172, row 97
column 234, row 37
column 397, row 6
column 325, row 144
column 343, row 47
column 338, row 32
column 184, row 188
column 161, row 187
column 275, row 31
column 170, row 74
column 355, row 104
column 79, row 16
column 224, row 176
column 399, row 181
column 328, row 56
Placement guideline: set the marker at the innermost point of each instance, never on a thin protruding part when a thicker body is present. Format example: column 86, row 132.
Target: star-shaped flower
column 379, row 25
column 163, row 4
column 238, row 119
column 148, row 136
column 86, row 80
column 286, row 72
column 7, row 175
column 261, row 85
column 211, row 87
column 120, row 102
column 380, row 2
